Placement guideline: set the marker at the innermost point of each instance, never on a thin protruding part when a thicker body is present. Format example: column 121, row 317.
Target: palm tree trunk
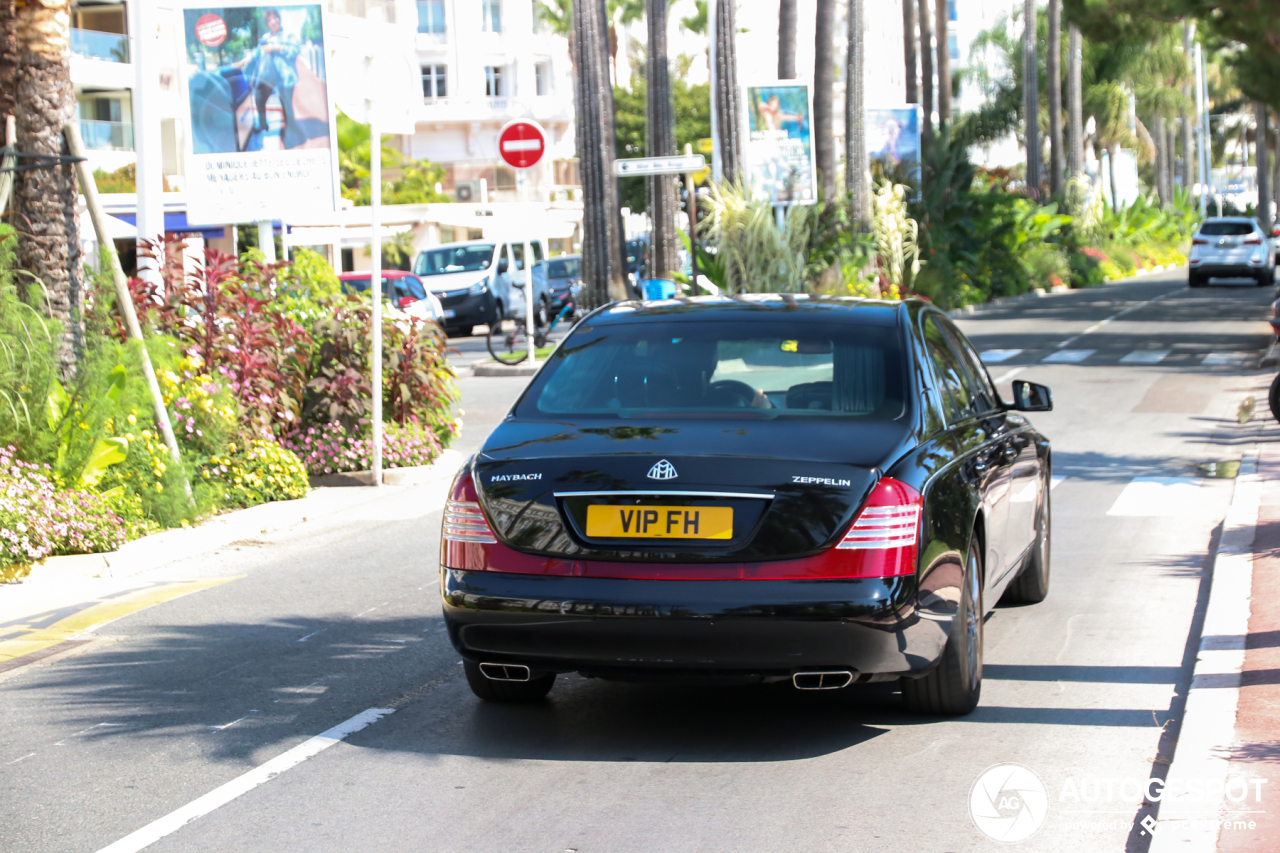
column 1113, row 150
column 1031, row 89
column 1264, row 167
column 1188, row 141
column 855, row 130
column 726, row 107
column 44, row 201
column 925, row 21
column 1162, row 192
column 660, row 139
column 593, row 101
column 944, row 63
column 909, row 41
column 1075, row 106
column 1053, row 65
column 824, row 143
column 8, row 59
column 787, row 39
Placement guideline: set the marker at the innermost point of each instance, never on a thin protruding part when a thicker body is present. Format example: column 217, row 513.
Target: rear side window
column 1226, row 229
column 411, row 285
column 768, row 369
column 980, row 388
column 957, row 402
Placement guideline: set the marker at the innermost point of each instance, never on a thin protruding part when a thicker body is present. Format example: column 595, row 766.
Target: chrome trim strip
column 666, row 492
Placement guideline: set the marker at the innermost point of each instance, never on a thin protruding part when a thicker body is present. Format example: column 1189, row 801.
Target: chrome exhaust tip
column 822, row 680
column 505, row 671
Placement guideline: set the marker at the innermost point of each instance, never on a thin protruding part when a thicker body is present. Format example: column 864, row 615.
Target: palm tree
column 8, row 59
column 911, row 74
column 944, row 63
column 1031, row 92
column 1053, row 68
column 1188, row 145
column 593, row 103
column 558, row 16
column 855, row 130
column 44, row 199
column 1075, row 103
column 786, row 39
column 823, row 85
column 620, row 12
column 926, row 66
column 726, row 108
column 660, row 140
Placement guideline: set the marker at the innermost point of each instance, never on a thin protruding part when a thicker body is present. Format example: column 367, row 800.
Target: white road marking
column 1146, row 356
column 1012, row 373
column 1098, row 325
column 23, row 758
column 1149, row 497
column 1054, row 481
column 1225, row 358
column 223, row 794
column 312, row 634
column 996, row 356
column 1067, row 356
column 229, row 725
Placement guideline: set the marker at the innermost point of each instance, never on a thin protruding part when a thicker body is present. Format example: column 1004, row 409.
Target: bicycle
column 508, row 340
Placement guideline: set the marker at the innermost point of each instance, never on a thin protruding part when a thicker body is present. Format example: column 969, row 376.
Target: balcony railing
column 111, row 47
column 107, row 135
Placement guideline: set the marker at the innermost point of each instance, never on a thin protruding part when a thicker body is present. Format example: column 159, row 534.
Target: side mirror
column 502, row 265
column 1031, row 397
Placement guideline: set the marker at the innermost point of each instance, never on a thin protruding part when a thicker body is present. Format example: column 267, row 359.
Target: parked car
column 480, row 281
column 563, row 273
column 1231, row 247
column 404, row 290
column 774, row 488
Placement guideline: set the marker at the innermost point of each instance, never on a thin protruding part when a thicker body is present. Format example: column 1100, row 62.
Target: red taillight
column 405, row 301
column 466, row 533
column 881, row 542
column 1253, row 241
column 1198, row 242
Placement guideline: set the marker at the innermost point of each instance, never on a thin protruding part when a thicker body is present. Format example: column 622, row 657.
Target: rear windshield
column 564, row 268
column 1226, row 229
column 391, row 288
column 454, row 259
column 790, row 368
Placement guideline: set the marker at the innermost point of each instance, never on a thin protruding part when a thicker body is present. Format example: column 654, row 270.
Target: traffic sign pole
column 692, row 208
column 521, row 144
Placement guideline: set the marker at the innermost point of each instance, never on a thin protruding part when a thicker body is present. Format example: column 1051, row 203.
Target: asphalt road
column 331, row 619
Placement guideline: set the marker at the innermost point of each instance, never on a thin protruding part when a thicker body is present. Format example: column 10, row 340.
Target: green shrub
column 256, row 471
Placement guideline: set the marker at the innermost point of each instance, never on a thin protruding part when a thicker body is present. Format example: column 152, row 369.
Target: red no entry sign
column 521, row 144
column 211, row 30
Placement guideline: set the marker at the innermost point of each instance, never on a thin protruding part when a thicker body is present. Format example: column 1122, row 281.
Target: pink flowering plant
column 331, row 449
column 38, row 519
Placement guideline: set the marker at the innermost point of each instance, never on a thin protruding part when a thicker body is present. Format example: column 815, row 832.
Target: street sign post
column 658, row 165
column 521, row 144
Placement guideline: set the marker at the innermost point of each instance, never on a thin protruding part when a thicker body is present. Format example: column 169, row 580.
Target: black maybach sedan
column 825, row 491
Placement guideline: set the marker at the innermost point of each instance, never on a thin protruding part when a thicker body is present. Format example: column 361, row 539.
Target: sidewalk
column 1255, row 751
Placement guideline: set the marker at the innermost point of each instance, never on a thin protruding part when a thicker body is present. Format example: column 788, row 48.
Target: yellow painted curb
column 98, row 614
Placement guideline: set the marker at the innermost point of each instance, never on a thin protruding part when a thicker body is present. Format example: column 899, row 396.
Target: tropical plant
column 896, row 236
column 405, row 180
column 27, row 345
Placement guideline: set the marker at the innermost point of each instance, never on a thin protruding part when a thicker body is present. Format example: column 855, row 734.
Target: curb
column 493, row 368
column 1002, row 301
column 1189, row 821
column 445, row 466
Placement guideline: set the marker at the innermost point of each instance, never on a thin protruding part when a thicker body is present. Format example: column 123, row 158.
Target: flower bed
column 331, row 449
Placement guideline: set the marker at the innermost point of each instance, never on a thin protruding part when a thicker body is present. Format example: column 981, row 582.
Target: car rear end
column 618, row 526
column 1230, row 248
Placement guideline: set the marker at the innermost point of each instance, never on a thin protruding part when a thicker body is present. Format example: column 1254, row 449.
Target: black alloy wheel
column 1031, row 586
column 953, row 687
column 536, row 688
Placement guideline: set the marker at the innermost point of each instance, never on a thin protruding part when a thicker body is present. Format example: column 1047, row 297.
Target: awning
column 176, row 223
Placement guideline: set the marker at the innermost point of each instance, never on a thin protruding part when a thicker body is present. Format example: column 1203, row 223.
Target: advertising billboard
column 893, row 141
column 779, row 145
column 260, row 142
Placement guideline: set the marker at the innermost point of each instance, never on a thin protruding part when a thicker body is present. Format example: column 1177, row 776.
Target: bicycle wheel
column 508, row 342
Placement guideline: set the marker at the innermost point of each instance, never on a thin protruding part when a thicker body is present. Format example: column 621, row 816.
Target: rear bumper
column 673, row 628
column 470, row 310
column 1219, row 270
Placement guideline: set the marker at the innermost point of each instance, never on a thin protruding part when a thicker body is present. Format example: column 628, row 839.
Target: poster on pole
column 779, row 149
column 780, row 144
column 260, row 141
column 893, row 142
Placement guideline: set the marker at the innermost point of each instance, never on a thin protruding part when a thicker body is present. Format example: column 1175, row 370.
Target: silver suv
column 1231, row 247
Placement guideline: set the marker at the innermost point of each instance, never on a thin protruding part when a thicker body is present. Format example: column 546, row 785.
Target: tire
column 952, row 689
column 1194, row 280
column 533, row 690
column 1273, row 398
column 507, row 348
column 1031, row 586
column 1263, row 279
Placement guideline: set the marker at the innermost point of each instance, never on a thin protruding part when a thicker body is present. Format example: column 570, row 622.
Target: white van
column 482, row 281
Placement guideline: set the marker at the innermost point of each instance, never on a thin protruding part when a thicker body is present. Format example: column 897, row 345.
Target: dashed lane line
column 223, row 794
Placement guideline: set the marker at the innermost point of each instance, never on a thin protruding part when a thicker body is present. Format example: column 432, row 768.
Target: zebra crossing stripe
column 1225, row 358
column 997, row 356
column 1145, row 356
column 1067, row 356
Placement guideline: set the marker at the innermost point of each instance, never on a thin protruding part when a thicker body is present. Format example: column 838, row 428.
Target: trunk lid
column 660, row 491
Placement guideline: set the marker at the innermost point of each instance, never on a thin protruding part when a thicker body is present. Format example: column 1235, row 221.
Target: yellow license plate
column 659, row 522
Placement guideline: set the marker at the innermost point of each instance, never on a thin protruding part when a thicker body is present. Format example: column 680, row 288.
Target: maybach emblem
column 663, row 470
